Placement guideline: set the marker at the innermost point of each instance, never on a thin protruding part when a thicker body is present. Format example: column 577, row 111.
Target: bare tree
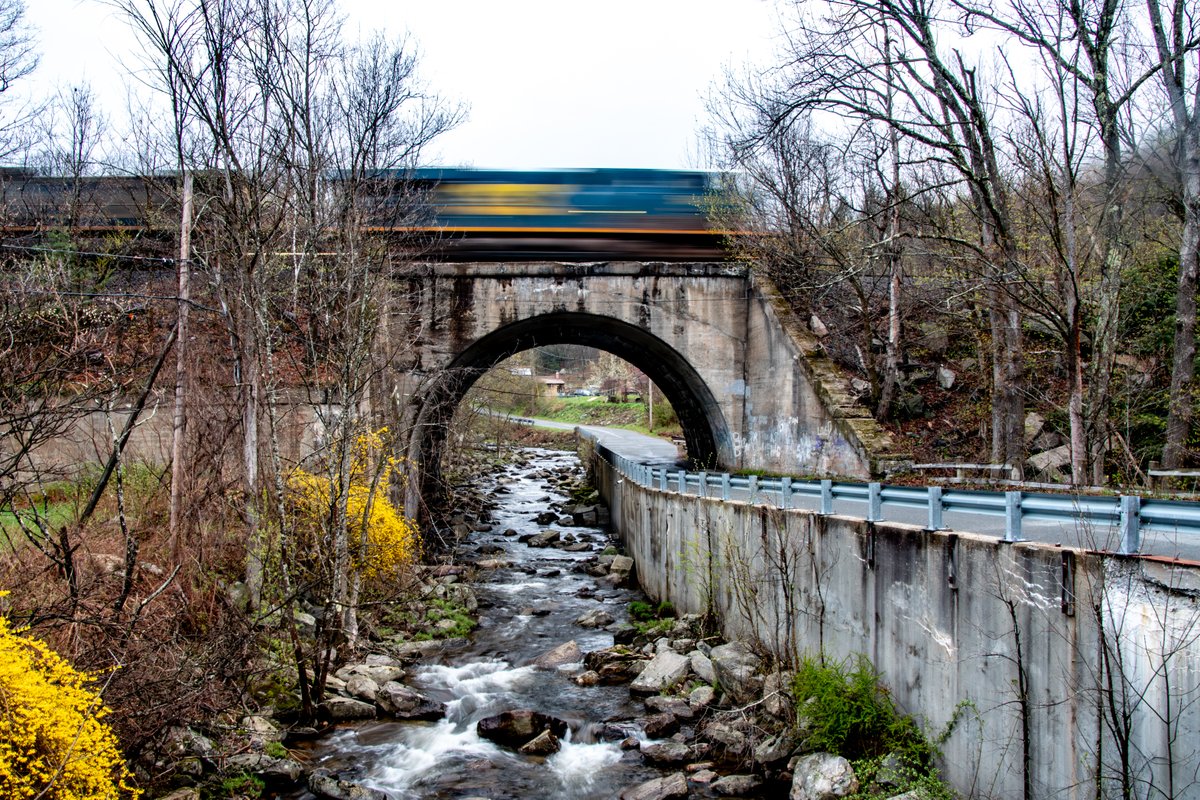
column 883, row 62
column 300, row 142
column 1176, row 30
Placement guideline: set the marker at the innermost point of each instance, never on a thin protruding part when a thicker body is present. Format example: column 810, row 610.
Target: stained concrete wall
column 87, row 441
column 951, row 620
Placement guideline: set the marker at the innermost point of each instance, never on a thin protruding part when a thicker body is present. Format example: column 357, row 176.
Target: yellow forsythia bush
column 54, row 744
column 392, row 540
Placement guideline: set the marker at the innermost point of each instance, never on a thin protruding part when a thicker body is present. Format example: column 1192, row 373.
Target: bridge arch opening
column 705, row 430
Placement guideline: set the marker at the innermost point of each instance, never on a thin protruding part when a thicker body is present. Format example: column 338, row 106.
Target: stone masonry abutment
column 749, row 382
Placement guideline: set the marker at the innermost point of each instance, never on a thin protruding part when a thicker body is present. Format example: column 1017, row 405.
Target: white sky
column 549, row 83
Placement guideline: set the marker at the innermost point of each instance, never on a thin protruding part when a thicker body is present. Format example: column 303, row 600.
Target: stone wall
column 748, row 381
column 1008, row 651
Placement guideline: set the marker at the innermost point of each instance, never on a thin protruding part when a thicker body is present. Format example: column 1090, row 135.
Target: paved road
column 631, row 444
column 657, row 452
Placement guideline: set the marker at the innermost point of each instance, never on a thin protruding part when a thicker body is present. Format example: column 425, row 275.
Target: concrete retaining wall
column 1069, row 669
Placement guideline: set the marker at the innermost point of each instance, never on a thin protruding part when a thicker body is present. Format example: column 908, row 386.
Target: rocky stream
column 556, row 694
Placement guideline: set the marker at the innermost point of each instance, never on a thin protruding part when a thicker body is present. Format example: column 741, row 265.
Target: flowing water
column 525, row 610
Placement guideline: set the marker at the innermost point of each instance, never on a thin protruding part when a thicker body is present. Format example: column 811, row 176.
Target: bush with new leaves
column 54, row 743
column 381, row 539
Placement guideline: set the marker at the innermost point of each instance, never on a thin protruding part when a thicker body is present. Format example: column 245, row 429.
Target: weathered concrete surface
column 747, row 381
column 88, row 440
column 957, row 624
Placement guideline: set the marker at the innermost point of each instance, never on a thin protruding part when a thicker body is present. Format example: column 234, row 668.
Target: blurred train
column 436, row 214
column 568, row 214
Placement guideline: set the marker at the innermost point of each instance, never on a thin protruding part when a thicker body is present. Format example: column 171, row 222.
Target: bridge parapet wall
column 956, row 624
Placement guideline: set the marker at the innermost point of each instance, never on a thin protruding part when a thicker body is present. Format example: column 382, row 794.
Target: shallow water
column 492, row 673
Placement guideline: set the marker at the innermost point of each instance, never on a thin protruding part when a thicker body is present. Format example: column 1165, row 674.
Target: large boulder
column 775, row 749
column 660, row 726
column 736, row 668
column 822, row 776
column 345, row 709
column 621, row 569
column 327, row 786
column 544, row 539
column 379, row 673
column 616, row 664
column 1051, row 465
column 674, row 785
column 516, row 728
column 596, row 618
column 736, row 785
column 702, row 666
column 668, row 752
column 544, row 744
column 665, row 704
column 702, row 697
column 665, row 671
column 273, row 771
column 567, row 653
column 398, row 700
column 361, row 687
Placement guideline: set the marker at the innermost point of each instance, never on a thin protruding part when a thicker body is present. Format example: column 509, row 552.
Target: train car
column 434, row 214
column 578, row 214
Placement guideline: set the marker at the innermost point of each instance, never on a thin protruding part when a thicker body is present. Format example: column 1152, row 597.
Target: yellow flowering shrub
column 391, row 540
column 54, row 744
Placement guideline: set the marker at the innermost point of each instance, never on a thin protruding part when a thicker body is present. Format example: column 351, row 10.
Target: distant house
column 551, row 387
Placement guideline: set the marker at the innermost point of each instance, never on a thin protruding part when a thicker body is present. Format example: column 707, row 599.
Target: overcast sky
column 549, row 83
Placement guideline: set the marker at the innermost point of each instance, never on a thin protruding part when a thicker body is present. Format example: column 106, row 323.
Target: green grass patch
column 51, row 515
column 846, row 710
column 438, row 610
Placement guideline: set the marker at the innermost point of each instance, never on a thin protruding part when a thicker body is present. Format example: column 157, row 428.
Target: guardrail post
column 874, row 502
column 1012, row 516
column 703, row 484
column 935, row 509
column 827, row 496
column 662, row 479
column 681, row 481
column 724, row 485
column 785, row 492
column 753, row 487
column 1131, row 528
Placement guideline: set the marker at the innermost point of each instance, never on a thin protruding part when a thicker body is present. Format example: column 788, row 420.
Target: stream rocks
column 665, row 671
column 737, row 671
column 674, row 785
column 329, row 787
column 717, row 719
column 517, row 728
column 399, row 701
column 822, row 776
column 566, row 653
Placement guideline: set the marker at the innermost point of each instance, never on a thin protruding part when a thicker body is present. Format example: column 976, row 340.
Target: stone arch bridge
column 747, row 381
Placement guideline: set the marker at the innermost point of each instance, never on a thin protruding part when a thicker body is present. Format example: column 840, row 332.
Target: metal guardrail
column 1132, row 514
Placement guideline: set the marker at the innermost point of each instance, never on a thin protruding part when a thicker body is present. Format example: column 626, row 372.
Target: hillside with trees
column 989, row 212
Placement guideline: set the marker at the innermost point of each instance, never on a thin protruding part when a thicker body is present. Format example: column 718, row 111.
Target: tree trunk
column 1183, row 362
column 179, row 422
column 1174, row 54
